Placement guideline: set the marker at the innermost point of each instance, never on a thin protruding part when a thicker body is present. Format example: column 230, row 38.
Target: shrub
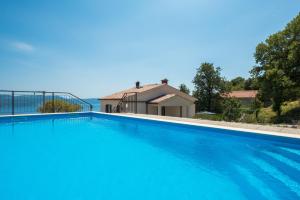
column 266, row 115
column 232, row 109
column 59, row 106
column 248, row 118
column 290, row 106
column 290, row 113
column 255, row 108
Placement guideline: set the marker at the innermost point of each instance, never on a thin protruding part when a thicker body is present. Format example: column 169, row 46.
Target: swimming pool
column 98, row 156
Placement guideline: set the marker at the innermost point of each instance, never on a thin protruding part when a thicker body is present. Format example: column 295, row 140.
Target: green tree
column 278, row 66
column 255, row 107
column 251, row 84
column 237, row 83
column 232, row 109
column 209, row 85
column 184, row 88
column 59, row 106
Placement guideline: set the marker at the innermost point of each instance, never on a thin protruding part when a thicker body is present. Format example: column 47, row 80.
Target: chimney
column 164, row 81
column 137, row 84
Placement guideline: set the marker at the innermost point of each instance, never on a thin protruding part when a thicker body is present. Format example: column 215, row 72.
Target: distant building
column 154, row 99
column 245, row 96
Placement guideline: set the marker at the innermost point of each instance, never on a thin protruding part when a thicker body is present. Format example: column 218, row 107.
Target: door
column 163, row 111
column 108, row 108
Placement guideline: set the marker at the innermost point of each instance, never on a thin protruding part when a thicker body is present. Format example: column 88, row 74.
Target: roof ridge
column 144, row 88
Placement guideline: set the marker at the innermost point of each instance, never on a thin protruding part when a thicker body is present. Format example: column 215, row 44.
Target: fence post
column 136, row 103
column 13, row 102
column 44, row 101
column 53, row 107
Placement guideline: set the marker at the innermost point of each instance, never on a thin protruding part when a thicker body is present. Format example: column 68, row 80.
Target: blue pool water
column 95, row 156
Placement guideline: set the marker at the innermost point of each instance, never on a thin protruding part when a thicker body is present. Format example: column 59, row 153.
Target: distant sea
column 95, row 102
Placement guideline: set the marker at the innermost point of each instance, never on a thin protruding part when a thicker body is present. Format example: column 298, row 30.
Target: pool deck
column 257, row 128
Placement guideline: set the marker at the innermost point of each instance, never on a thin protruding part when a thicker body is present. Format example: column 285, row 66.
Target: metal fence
column 26, row 102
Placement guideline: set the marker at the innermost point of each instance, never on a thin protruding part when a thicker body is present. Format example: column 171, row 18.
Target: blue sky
column 94, row 48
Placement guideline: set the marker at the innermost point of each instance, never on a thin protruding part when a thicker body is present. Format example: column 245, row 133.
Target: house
column 246, row 97
column 155, row 99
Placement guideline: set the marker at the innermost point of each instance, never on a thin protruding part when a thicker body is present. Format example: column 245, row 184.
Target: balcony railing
column 25, row 102
column 127, row 104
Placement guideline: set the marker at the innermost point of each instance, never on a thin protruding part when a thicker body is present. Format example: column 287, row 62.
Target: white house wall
column 188, row 107
column 114, row 103
column 152, row 109
column 186, row 101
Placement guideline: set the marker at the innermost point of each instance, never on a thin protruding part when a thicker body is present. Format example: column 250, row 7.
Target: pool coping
column 249, row 128
column 281, row 132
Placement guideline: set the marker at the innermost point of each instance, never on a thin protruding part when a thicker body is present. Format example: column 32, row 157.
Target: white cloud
column 22, row 46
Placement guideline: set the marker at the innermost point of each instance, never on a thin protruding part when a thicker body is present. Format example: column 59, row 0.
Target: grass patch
column 214, row 117
column 290, row 114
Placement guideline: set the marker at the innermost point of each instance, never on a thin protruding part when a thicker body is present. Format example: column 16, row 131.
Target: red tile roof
column 143, row 88
column 162, row 98
column 242, row 94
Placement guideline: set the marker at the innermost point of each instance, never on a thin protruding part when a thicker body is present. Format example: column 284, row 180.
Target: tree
column 209, row 85
column 232, row 109
column 278, row 66
column 184, row 88
column 59, row 106
column 251, row 84
column 237, row 83
column 255, row 107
